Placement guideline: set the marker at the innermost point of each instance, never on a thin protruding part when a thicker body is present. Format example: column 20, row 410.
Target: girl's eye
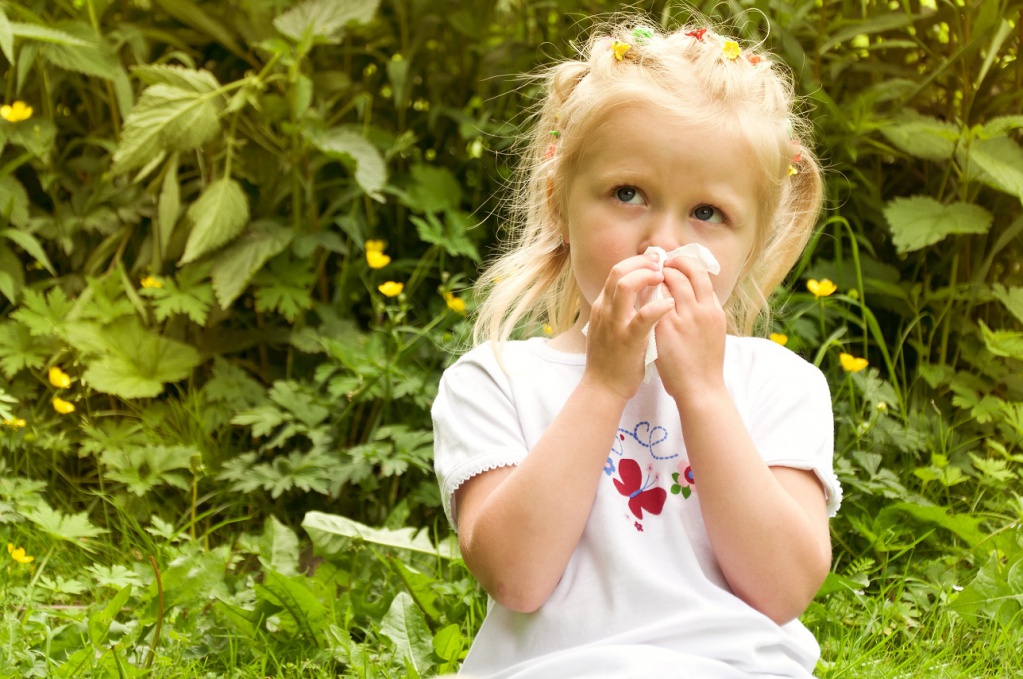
column 708, row 213
column 628, row 194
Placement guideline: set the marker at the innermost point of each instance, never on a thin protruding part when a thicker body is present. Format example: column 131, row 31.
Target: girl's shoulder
column 760, row 359
column 491, row 356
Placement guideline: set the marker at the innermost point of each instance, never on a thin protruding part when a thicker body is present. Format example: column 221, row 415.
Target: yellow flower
column 374, row 246
column 792, row 170
column 391, row 288
column 151, row 282
column 821, row 288
column 16, row 112
column 377, row 259
column 852, row 364
column 19, row 554
column 779, row 338
column 620, row 48
column 59, row 378
column 14, row 423
column 547, row 329
column 456, row 304
column 62, row 406
column 731, row 50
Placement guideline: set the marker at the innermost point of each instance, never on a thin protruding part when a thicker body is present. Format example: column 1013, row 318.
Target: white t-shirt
column 642, row 595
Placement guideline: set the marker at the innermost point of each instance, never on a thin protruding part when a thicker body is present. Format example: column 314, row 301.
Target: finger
column 680, row 287
column 629, row 287
column 627, row 266
column 698, row 277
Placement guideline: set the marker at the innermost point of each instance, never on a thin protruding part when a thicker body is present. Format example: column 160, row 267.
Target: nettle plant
column 226, row 259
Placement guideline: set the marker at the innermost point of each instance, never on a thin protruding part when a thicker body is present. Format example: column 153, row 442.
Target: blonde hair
column 699, row 76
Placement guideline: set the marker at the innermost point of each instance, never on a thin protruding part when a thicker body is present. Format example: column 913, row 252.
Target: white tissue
column 694, row 251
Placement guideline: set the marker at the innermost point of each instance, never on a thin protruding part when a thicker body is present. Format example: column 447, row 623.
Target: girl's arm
column 768, row 525
column 518, row 526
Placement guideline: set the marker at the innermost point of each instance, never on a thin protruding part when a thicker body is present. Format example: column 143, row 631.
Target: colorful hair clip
column 640, row 34
column 698, row 34
column 619, row 49
column 753, row 58
column 555, row 134
column 792, row 171
column 551, row 150
column 731, row 50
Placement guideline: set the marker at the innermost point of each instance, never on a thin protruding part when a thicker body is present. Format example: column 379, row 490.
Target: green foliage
column 183, row 229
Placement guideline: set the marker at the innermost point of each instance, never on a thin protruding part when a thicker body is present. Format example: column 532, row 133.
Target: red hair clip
column 698, row 34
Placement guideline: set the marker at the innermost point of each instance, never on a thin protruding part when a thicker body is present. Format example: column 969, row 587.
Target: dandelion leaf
column 405, row 625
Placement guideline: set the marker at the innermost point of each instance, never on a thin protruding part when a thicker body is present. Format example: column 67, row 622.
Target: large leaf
column 406, row 626
column 920, row 221
column 167, row 118
column 46, row 34
column 219, row 215
column 1012, row 298
column 278, row 548
column 235, row 267
column 74, row 528
column 302, row 613
column 199, row 81
column 350, row 146
column 922, row 136
column 129, row 361
column 323, row 20
column 331, row 534
column 1001, row 160
column 1007, row 343
column 13, row 201
column 6, row 37
column 95, row 57
column 965, row 526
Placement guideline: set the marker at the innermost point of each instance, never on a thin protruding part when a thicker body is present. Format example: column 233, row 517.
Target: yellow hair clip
column 731, row 50
column 619, row 49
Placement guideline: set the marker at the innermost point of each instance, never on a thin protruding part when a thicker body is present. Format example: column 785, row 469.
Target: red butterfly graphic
column 641, row 495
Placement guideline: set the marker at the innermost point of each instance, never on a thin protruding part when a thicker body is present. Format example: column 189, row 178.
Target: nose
column 665, row 230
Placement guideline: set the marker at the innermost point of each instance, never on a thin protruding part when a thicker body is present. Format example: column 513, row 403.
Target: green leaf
column 332, row 534
column 435, row 189
column 303, row 613
column 169, row 205
column 284, row 287
column 12, row 274
column 74, row 528
column 44, row 315
column 46, row 34
column 19, row 350
column 965, row 526
column 1007, row 343
column 145, row 468
column 199, row 81
column 350, row 146
column 1001, row 162
column 191, row 14
column 1000, row 126
column 279, row 547
column 406, row 626
column 920, row 221
column 922, row 136
column 6, row 37
column 30, row 245
column 166, row 118
column 190, row 295
column 13, row 201
column 449, row 642
column 234, row 267
column 99, row 621
column 219, row 215
column 1012, row 298
column 94, row 57
column 136, row 363
column 324, row 19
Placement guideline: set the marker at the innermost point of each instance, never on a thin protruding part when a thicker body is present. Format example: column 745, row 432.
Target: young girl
column 633, row 517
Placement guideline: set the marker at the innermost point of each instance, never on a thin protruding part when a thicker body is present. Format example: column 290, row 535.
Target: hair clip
column 731, row 50
column 640, row 34
column 619, row 49
column 792, row 170
column 551, row 150
column 698, row 34
column 555, row 134
column 753, row 58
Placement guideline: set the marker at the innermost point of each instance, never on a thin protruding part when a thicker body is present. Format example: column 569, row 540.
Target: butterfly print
column 641, row 493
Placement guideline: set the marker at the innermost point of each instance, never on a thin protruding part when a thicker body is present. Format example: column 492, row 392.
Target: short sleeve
column 475, row 424
column 793, row 424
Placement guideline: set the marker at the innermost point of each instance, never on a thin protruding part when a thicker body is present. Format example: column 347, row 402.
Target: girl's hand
column 617, row 337
column 691, row 336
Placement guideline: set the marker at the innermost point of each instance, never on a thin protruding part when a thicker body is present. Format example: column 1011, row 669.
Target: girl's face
column 646, row 179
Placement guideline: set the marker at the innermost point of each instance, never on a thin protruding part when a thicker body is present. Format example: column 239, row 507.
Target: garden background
column 236, row 245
